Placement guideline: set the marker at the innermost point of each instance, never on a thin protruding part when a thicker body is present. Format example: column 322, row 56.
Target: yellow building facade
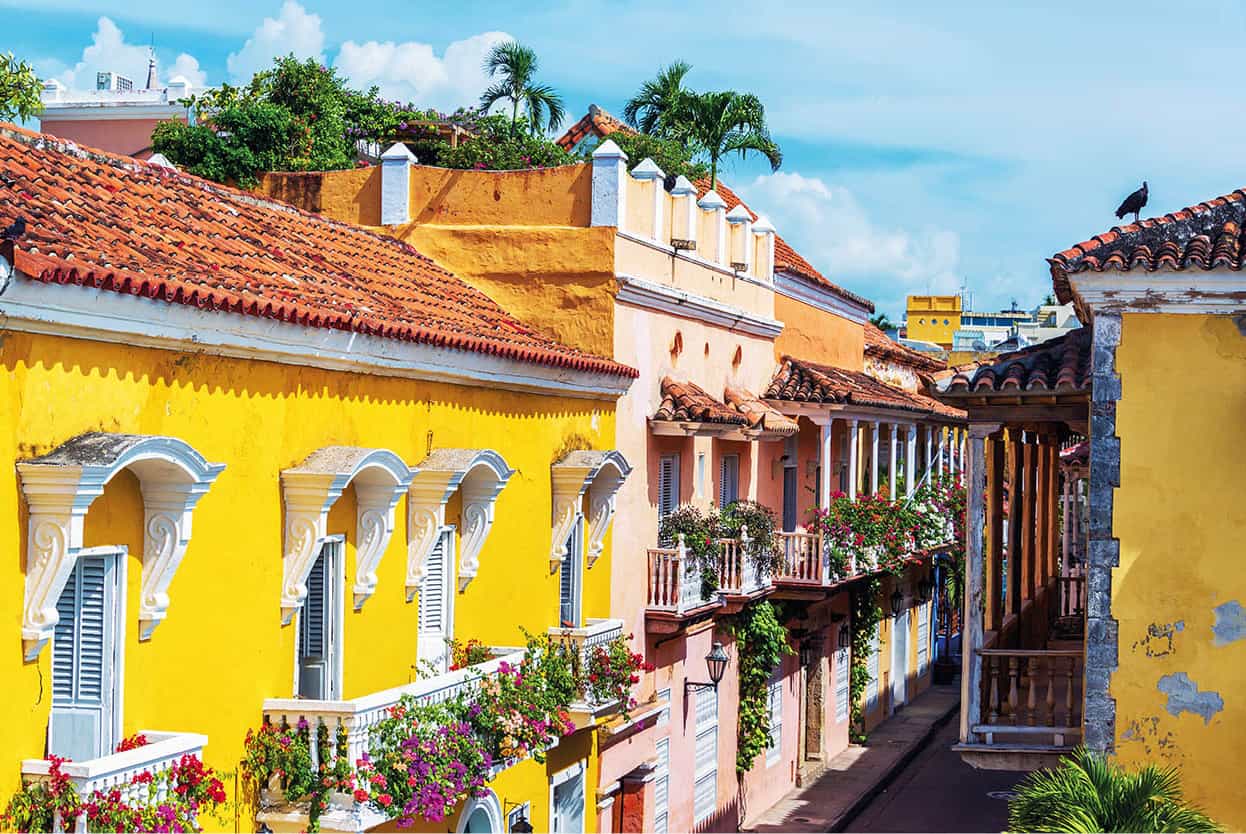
column 221, row 467
column 933, row 318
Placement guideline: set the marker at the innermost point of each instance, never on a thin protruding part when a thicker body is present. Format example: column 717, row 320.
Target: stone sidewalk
column 855, row 776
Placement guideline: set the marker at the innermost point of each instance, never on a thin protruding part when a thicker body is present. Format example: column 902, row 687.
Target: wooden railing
column 800, row 558
column 116, row 771
column 1032, row 697
column 1072, row 596
column 675, row 583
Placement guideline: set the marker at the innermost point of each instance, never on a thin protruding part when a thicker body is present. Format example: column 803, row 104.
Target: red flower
column 361, row 795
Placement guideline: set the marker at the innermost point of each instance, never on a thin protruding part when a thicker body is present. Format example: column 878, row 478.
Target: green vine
column 866, row 615
column 761, row 641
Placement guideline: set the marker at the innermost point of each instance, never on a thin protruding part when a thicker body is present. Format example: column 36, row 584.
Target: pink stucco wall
column 128, row 137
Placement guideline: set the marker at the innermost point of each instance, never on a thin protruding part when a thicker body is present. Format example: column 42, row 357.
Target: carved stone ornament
column 310, row 490
column 479, row 476
column 600, row 474
column 60, row 487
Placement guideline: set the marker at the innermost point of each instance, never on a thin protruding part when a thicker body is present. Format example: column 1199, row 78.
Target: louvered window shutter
column 84, row 647
column 314, row 628
column 728, row 479
column 775, row 703
column 661, row 787
column 668, row 485
column 435, row 603
column 843, row 660
column 569, row 581
column 705, row 790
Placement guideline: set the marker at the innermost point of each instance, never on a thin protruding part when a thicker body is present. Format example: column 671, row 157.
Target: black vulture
column 15, row 230
column 1133, row 204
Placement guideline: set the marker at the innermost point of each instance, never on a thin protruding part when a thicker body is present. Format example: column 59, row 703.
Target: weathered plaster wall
column 121, row 136
column 1180, row 520
column 222, row 650
column 557, row 280
column 818, row 336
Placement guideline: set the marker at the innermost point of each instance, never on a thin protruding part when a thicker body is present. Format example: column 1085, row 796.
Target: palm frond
column 544, row 105
column 650, row 110
column 1086, row 792
column 493, row 94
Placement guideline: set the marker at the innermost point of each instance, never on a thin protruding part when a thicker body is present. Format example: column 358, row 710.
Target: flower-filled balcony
column 605, row 669
column 417, row 752
column 155, row 781
column 718, row 560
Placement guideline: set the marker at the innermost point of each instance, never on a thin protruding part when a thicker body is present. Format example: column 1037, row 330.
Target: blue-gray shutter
column 436, row 599
column 84, row 656
column 314, row 630
column 569, row 581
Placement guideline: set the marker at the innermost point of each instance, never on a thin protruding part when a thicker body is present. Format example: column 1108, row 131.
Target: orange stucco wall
column 818, row 336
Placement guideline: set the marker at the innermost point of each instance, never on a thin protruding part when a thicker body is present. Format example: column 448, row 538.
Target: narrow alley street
column 936, row 791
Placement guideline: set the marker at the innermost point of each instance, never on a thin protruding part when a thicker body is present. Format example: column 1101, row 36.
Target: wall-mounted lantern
column 897, row 602
column 716, row 664
column 845, row 637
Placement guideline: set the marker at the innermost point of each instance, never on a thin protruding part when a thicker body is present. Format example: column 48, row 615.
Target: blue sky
column 926, row 144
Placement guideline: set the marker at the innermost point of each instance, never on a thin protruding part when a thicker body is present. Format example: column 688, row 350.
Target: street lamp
column 716, row 663
column 897, row 602
column 845, row 637
column 925, row 590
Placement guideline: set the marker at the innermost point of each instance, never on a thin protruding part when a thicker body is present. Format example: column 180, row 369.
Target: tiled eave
column 816, row 411
column 723, row 431
column 1190, row 291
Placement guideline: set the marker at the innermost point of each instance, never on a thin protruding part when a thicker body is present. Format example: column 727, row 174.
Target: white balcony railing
column 582, row 642
column 357, row 717
column 117, row 770
column 675, row 582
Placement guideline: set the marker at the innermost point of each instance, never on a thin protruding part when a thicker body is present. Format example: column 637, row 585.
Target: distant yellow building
column 933, row 318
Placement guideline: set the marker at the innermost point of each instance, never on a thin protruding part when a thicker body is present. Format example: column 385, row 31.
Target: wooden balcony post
column 1053, row 505
column 975, row 583
column 1029, row 503
column 994, row 545
column 854, row 458
column 1012, row 596
column 1066, row 530
column 1042, row 521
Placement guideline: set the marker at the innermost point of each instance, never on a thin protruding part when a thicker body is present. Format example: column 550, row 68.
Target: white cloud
column 293, row 30
column 412, row 71
column 109, row 52
column 830, row 228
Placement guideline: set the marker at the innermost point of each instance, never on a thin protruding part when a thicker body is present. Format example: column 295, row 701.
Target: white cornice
column 665, row 299
column 112, row 111
column 826, row 300
column 103, row 315
column 1191, row 291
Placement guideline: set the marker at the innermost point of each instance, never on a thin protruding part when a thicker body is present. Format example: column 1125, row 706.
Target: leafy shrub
column 499, row 147
column 1087, row 793
column 760, row 522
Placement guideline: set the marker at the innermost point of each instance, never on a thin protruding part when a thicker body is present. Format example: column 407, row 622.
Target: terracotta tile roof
column 786, row 259
column 878, row 344
column 596, row 121
column 808, row 382
column 105, row 221
column 1057, row 366
column 687, row 402
column 1076, row 455
column 761, row 417
column 1205, row 236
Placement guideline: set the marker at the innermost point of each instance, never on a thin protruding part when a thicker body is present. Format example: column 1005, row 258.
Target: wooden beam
column 1012, row 597
column 1070, row 413
column 1029, row 504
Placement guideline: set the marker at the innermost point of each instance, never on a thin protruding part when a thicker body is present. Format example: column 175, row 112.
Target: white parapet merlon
column 739, row 217
column 609, row 187
column 396, row 165
column 713, row 202
column 648, row 171
column 764, row 229
column 687, row 192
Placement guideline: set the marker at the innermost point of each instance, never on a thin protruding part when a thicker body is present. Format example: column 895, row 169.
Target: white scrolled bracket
column 60, row 487
column 310, row 491
column 600, row 475
column 480, row 493
column 430, row 491
column 374, row 528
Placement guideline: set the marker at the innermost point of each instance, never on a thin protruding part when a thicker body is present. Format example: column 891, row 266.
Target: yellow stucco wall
column 559, row 280
column 933, row 318
column 818, row 336
column 222, row 650
column 1181, row 521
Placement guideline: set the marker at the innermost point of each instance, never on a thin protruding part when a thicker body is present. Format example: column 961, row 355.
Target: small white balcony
column 117, row 770
column 587, row 711
column 357, row 717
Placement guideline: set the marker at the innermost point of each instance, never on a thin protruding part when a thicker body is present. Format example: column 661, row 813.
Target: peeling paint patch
column 1230, row 623
column 1184, row 696
column 1158, row 642
column 1146, row 731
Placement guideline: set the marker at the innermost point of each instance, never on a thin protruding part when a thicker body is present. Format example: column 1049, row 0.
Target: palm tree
column 1086, row 793
column 727, row 122
column 881, row 321
column 649, row 111
column 517, row 65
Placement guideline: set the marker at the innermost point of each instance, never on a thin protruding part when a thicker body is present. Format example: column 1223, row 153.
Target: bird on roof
column 15, row 229
column 1133, row 204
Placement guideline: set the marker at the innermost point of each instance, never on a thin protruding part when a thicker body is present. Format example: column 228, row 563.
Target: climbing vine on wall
column 866, row 615
column 761, row 641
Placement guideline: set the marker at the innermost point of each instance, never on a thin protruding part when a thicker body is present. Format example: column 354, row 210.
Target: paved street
column 939, row 792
